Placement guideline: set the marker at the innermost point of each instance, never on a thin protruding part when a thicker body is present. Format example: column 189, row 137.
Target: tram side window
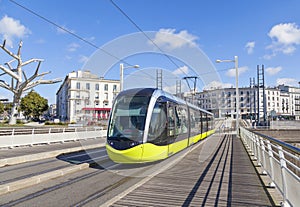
column 201, row 122
column 181, row 120
column 198, row 122
column 171, row 121
column 204, row 122
column 194, row 122
column 158, row 125
column 210, row 122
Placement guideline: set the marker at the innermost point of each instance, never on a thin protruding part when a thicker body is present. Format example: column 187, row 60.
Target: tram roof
column 158, row 92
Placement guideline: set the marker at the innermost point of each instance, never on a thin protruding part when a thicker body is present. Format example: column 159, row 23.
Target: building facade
column 222, row 102
column 277, row 102
column 84, row 96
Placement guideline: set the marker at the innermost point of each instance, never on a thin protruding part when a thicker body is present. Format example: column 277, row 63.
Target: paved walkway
column 211, row 175
column 25, row 150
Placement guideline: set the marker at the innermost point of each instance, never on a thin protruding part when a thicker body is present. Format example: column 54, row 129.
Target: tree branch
column 3, row 84
column 38, row 82
column 32, row 60
column 9, row 52
column 8, row 64
column 9, row 72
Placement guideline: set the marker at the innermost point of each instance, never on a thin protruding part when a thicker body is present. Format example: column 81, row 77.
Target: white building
column 290, row 101
column 282, row 101
column 222, row 102
column 84, row 96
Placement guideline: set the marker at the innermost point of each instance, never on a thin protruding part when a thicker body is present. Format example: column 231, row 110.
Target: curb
column 43, row 155
column 16, row 185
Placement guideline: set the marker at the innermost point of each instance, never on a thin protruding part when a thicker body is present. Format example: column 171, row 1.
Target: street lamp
column 236, row 88
column 121, row 73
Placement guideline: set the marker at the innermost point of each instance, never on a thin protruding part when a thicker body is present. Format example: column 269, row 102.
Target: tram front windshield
column 128, row 117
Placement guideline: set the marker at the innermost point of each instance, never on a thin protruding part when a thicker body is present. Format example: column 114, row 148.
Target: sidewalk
column 36, row 152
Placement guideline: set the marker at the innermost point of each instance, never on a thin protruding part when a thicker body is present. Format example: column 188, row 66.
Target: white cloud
column 83, row 59
column 170, row 89
column 182, row 70
column 217, row 85
column 11, row 28
column 250, row 47
column 285, row 37
column 73, row 47
column 273, row 71
column 231, row 72
column 169, row 39
column 287, row 81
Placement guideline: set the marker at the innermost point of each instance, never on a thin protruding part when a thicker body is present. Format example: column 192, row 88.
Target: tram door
column 171, row 126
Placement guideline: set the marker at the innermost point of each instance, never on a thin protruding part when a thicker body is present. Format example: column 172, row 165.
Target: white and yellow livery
column 148, row 124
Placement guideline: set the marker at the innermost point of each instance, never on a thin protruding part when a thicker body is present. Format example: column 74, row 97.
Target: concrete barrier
column 44, row 155
column 47, row 138
column 27, row 182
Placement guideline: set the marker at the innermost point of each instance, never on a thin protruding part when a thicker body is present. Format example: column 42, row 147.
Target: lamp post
column 236, row 88
column 121, row 73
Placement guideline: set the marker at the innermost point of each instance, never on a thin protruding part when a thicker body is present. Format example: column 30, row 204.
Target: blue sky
column 258, row 32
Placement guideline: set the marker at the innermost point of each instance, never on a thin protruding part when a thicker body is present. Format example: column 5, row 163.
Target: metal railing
column 279, row 160
column 23, row 136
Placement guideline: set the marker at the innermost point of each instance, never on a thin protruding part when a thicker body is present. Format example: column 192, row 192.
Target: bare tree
column 19, row 80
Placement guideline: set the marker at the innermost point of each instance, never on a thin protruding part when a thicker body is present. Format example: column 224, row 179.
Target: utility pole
column 193, row 91
column 261, row 84
column 178, row 88
column 20, row 82
column 252, row 108
column 159, row 79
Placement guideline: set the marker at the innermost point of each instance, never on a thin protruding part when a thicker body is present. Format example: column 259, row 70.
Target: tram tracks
column 104, row 172
column 23, row 175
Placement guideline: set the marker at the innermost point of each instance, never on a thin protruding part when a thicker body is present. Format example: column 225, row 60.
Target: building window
column 97, row 86
column 115, row 88
column 106, row 87
column 77, row 85
column 87, row 85
column 106, row 96
column 97, row 95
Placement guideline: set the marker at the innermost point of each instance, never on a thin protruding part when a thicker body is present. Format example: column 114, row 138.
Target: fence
column 18, row 137
column 279, row 160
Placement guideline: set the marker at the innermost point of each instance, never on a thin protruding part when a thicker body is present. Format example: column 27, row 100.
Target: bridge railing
column 279, row 160
column 18, row 137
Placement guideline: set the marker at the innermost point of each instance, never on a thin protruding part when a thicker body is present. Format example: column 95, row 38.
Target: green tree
column 33, row 105
column 1, row 107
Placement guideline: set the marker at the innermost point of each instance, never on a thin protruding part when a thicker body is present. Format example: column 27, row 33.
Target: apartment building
column 84, row 96
column 281, row 101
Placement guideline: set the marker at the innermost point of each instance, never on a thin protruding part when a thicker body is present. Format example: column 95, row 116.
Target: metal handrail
column 13, row 138
column 281, row 143
column 279, row 160
column 22, row 131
